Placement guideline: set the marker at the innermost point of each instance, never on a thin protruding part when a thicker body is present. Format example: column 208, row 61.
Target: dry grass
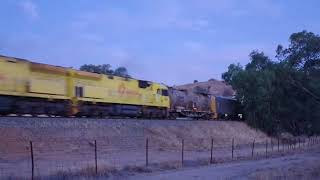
column 56, row 138
column 163, row 133
column 306, row 171
column 216, row 87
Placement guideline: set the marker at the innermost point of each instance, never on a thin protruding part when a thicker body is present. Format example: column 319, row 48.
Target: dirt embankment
column 166, row 132
column 67, row 145
column 213, row 87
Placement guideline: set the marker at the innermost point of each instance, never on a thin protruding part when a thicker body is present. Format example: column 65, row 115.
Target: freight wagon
column 197, row 103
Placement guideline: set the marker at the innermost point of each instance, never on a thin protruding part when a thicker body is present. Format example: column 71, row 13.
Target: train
column 198, row 103
column 28, row 87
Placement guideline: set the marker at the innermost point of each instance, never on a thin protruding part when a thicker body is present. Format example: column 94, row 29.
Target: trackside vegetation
column 281, row 94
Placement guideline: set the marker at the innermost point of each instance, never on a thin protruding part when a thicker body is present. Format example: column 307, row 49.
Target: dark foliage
column 105, row 69
column 281, row 95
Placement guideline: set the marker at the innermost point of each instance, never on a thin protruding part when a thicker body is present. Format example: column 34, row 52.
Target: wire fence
column 45, row 158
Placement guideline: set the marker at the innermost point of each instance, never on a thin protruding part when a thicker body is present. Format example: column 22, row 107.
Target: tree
column 101, row 69
column 303, row 52
column 232, row 72
column 281, row 95
column 122, row 72
column 105, row 69
column 259, row 61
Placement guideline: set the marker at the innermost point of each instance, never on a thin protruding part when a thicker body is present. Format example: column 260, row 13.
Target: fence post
column 252, row 152
column 232, row 147
column 211, row 155
column 299, row 142
column 182, row 152
column 293, row 146
column 95, row 156
column 147, row 152
column 32, row 161
column 278, row 144
column 271, row 145
column 305, row 142
column 267, row 149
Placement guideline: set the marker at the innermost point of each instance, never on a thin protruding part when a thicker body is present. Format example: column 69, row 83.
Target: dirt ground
column 305, row 165
column 67, row 145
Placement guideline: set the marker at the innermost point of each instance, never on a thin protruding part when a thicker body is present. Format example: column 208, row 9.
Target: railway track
column 27, row 116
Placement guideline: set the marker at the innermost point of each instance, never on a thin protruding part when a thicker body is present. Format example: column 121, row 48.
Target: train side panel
column 120, row 91
column 115, row 95
column 13, row 76
column 23, row 78
column 31, row 88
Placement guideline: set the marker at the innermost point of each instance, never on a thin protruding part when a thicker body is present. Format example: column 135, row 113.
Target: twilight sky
column 168, row 41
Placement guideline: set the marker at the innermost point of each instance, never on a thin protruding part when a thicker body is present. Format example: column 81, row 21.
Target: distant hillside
column 213, row 87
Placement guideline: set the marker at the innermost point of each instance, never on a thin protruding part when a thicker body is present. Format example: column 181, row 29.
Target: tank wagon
column 197, row 103
column 32, row 88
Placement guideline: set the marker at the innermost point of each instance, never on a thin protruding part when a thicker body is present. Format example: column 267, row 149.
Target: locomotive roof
column 26, row 60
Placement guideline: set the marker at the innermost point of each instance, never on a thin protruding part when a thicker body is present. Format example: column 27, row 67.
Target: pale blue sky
column 168, row 41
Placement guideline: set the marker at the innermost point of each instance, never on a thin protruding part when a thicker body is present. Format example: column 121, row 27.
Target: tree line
column 106, row 69
column 281, row 94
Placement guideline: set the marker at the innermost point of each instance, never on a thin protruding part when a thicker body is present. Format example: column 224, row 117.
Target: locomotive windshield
column 165, row 92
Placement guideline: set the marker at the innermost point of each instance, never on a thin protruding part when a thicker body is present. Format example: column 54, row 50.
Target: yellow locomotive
column 32, row 88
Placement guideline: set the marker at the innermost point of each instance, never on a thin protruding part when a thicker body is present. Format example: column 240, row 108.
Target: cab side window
column 143, row 84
